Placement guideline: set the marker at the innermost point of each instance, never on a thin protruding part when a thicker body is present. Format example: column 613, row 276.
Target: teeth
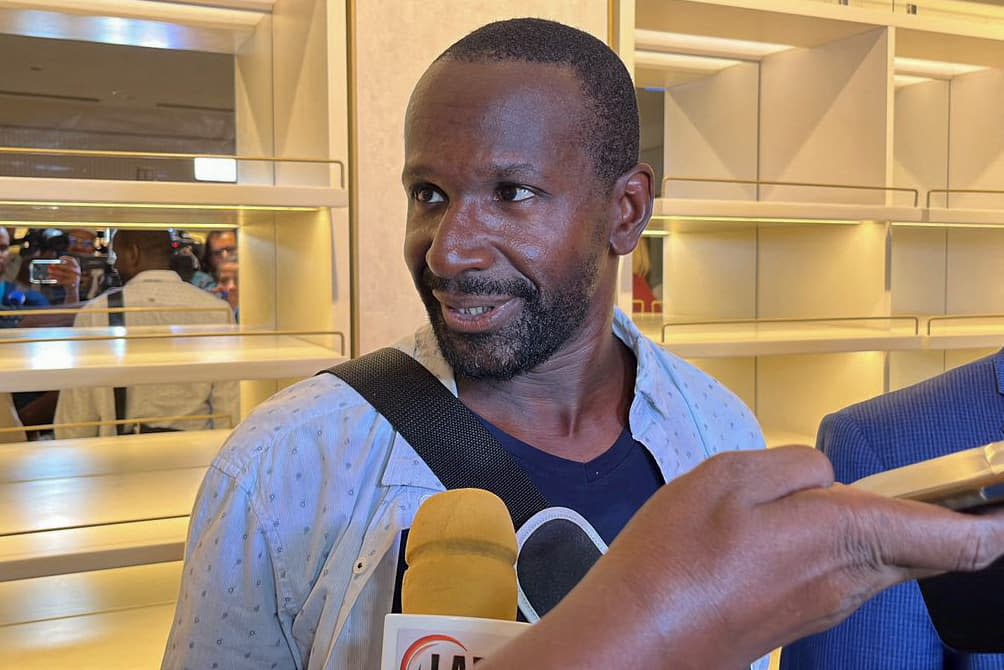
column 474, row 311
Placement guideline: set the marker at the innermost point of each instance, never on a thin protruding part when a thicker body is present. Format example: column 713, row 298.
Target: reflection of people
column 221, row 247
column 227, row 284
column 83, row 246
column 524, row 192
column 690, row 583
column 641, row 291
column 142, row 258
column 8, row 261
column 961, row 409
column 48, row 244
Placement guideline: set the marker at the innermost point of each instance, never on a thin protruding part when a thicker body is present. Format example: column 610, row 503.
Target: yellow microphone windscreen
column 461, row 555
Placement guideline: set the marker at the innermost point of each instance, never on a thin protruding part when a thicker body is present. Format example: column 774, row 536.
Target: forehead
column 226, row 237
column 480, row 115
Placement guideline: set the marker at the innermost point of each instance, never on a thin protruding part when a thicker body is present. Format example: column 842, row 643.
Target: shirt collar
column 406, row 468
column 155, row 275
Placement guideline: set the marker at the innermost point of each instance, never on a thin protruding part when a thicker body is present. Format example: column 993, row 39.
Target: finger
column 923, row 538
column 764, row 476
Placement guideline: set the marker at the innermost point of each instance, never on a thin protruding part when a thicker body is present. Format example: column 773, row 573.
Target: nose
column 460, row 242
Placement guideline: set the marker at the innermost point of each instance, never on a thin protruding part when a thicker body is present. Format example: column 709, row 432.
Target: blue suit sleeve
column 893, row 629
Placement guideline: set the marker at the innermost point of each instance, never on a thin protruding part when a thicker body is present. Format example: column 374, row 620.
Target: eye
column 513, row 193
column 427, row 194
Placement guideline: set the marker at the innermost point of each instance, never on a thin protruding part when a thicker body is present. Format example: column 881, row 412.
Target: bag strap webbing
column 115, row 301
column 449, row 437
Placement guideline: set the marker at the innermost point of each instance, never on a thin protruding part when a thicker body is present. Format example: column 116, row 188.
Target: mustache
column 477, row 285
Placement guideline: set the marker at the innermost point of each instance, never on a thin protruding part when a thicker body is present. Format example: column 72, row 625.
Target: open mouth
column 474, row 311
column 469, row 314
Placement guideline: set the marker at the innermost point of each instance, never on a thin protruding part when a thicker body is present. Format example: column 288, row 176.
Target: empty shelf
column 89, row 456
column 721, row 339
column 108, row 619
column 39, row 359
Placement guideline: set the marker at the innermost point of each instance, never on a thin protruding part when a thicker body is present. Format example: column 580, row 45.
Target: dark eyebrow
column 495, row 172
column 514, row 170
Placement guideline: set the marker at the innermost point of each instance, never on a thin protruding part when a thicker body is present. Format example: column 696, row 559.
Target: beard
column 548, row 319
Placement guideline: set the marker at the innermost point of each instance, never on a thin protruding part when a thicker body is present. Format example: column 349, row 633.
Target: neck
column 574, row 405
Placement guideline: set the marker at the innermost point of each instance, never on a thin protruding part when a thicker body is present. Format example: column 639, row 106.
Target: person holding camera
column 43, row 273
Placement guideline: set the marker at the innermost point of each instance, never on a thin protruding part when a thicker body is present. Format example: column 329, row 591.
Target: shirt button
column 360, row 567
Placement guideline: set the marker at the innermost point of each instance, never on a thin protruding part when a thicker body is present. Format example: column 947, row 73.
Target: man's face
column 507, row 234
column 81, row 242
column 228, row 276
column 223, row 248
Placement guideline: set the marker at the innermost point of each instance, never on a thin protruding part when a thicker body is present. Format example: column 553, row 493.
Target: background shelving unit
column 94, row 528
column 800, row 297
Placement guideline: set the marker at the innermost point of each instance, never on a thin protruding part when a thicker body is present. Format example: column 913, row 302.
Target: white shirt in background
column 153, row 288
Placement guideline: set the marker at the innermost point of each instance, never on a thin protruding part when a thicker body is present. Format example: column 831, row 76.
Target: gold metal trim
column 351, row 61
column 116, row 422
column 821, row 320
column 162, row 155
column 613, row 25
column 960, row 317
column 111, row 310
column 179, row 336
column 761, row 182
column 950, row 191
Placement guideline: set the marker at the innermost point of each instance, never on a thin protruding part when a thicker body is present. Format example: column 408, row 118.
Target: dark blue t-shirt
column 607, row 490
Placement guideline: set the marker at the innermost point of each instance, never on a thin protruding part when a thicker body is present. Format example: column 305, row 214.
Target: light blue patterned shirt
column 292, row 550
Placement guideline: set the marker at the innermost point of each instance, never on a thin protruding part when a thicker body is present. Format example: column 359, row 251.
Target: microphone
column 459, row 592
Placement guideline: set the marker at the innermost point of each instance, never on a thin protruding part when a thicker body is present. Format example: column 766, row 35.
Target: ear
column 632, row 201
column 131, row 254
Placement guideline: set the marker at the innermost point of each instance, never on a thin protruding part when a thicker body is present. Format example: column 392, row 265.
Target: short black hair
column 611, row 134
column 154, row 245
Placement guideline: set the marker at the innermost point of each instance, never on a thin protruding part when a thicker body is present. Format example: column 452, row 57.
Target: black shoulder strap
column 446, row 434
column 115, row 302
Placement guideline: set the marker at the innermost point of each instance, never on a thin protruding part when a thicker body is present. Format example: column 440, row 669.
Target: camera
column 184, row 254
column 39, row 270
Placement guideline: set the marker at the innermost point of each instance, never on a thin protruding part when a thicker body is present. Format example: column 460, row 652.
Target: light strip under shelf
column 133, row 225
column 54, row 204
column 703, row 45
column 933, row 69
column 682, row 62
column 947, row 224
column 751, row 219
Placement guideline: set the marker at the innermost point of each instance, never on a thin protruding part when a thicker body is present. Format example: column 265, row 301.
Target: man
column 83, row 247
column 142, row 258
column 227, row 286
column 960, row 409
column 521, row 168
column 221, row 247
column 521, row 146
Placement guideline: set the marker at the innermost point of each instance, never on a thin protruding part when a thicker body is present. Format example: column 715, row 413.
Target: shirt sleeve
column 227, row 611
